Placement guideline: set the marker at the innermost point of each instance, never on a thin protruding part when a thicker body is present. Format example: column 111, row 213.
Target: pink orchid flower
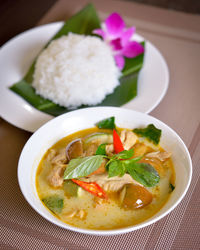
column 119, row 38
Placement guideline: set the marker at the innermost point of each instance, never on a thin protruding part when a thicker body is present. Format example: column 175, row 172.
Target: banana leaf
column 84, row 22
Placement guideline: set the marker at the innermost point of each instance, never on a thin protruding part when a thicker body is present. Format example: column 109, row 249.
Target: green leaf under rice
column 84, row 22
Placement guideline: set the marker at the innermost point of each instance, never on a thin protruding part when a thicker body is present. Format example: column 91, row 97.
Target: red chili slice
column 118, row 146
column 92, row 187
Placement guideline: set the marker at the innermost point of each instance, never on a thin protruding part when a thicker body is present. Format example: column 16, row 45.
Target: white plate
column 17, row 55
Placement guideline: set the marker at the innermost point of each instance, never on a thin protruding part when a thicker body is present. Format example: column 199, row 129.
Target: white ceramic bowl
column 74, row 121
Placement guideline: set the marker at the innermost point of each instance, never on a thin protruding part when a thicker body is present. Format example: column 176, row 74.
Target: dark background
column 17, row 16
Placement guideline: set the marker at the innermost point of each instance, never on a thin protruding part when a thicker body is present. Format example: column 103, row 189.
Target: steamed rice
column 76, row 70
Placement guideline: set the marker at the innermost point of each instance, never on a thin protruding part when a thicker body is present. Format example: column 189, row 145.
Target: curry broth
column 100, row 214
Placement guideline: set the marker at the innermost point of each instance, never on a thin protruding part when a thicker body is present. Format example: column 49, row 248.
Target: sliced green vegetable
column 54, row 203
column 101, row 150
column 150, row 132
column 108, row 123
column 144, row 174
column 82, row 167
column 99, row 138
column 70, row 188
column 172, row 187
column 84, row 22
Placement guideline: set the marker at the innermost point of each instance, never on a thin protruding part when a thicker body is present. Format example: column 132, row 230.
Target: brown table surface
column 177, row 36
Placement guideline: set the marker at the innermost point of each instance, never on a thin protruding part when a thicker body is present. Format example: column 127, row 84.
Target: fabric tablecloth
column 177, row 36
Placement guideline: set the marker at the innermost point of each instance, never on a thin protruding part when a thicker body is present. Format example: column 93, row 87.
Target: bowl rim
column 109, row 232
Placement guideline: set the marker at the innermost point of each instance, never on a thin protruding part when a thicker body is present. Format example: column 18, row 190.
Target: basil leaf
column 144, row 174
column 172, row 187
column 116, row 168
column 150, row 132
column 101, row 150
column 108, row 123
column 54, row 203
column 82, row 167
column 125, row 154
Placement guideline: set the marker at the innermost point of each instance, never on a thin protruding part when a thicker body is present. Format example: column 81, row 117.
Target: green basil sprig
column 117, row 165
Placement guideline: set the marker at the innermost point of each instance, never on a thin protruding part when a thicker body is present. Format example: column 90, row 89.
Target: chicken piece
column 122, row 195
column 140, row 149
column 55, row 178
column 128, row 139
column 91, row 150
column 99, row 203
column 101, row 169
column 136, row 197
column 81, row 214
column 51, row 154
column 71, row 214
column 110, row 149
column 162, row 156
column 74, row 149
column 60, row 158
column 112, row 184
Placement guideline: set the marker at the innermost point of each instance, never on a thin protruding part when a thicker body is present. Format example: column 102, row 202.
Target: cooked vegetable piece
column 91, row 187
column 70, row 188
column 90, row 149
column 136, row 197
column 99, row 138
column 108, row 123
column 143, row 173
column 81, row 167
column 54, row 203
column 101, row 150
column 150, row 132
column 118, row 146
column 74, row 149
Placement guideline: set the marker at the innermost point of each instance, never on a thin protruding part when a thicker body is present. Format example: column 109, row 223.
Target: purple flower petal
column 100, row 32
column 116, row 44
column 119, row 59
column 132, row 49
column 126, row 35
column 114, row 25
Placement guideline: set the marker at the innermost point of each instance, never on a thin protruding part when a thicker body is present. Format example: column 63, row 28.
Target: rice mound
column 76, row 70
